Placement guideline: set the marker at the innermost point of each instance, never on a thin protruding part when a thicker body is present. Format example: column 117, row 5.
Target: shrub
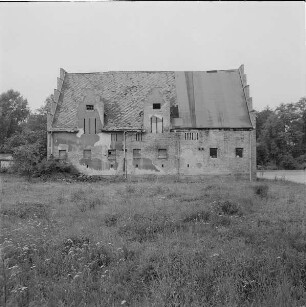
column 261, row 190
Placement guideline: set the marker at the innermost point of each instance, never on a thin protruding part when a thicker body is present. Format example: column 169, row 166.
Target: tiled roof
column 205, row 99
column 123, row 94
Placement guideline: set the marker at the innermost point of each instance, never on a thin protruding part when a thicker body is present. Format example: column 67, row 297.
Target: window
column 84, row 126
column 114, row 137
column 191, row 136
column 62, row 154
column 89, row 107
column 156, row 105
column 95, row 126
column 162, row 154
column 139, row 136
column 213, row 152
column 239, row 152
column 87, row 154
column 136, row 153
column 157, row 125
column 112, row 154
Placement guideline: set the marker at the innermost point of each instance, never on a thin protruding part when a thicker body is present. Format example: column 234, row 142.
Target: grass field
column 214, row 242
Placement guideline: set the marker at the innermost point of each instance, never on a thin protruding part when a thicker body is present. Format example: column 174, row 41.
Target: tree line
column 280, row 133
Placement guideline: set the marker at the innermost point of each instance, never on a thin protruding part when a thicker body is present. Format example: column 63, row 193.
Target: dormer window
column 89, row 107
column 156, row 105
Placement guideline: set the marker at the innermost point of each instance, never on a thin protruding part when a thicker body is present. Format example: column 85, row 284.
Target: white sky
column 36, row 39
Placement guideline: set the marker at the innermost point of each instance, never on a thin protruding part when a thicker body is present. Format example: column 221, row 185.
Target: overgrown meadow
column 159, row 242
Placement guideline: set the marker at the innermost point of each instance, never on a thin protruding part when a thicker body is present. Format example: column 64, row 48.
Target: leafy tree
column 13, row 111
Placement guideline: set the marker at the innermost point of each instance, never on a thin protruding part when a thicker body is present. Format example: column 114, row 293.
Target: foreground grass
column 215, row 242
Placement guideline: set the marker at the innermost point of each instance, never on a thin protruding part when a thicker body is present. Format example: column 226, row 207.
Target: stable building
column 154, row 122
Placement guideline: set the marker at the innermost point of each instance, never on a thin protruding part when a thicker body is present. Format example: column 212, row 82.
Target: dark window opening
column 213, row 152
column 112, row 154
column 187, row 165
column 156, row 105
column 84, row 126
column 89, row 107
column 162, row 154
column 87, row 154
column 111, row 166
column 162, row 165
column 239, row 152
column 62, row 154
column 95, row 126
column 136, row 165
column 136, row 153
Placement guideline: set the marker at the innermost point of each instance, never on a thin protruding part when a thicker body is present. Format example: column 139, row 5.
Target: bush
column 288, row 162
column 261, row 190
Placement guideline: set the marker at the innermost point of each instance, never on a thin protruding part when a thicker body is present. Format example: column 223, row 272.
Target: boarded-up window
column 239, row 152
column 89, row 107
column 62, row 154
column 87, row 154
column 157, row 125
column 136, row 153
column 213, row 152
column 112, row 154
column 162, row 154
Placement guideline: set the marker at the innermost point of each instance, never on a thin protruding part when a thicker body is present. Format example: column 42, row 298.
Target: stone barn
column 154, row 122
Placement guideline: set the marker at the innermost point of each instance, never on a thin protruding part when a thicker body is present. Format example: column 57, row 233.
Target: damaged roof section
column 197, row 99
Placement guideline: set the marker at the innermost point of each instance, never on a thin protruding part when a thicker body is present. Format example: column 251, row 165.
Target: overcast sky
column 36, row 39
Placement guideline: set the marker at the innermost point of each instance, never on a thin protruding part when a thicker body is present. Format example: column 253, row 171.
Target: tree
column 13, row 111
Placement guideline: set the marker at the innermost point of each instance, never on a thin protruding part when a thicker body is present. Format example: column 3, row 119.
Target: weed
column 110, row 220
column 261, row 190
column 197, row 217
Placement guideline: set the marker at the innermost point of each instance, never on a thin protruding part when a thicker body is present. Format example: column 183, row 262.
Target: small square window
column 136, row 154
column 89, row 107
column 239, row 152
column 162, row 154
column 213, row 152
column 62, row 154
column 156, row 105
column 112, row 154
column 87, row 154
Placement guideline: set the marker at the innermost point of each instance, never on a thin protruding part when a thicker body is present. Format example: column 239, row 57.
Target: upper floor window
column 156, row 105
column 191, row 136
column 213, row 152
column 114, row 137
column 89, row 107
column 157, row 125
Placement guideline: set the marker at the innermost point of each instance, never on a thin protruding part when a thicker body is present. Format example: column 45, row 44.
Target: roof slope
column 204, row 99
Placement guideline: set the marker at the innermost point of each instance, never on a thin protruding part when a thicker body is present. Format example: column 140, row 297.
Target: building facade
column 156, row 122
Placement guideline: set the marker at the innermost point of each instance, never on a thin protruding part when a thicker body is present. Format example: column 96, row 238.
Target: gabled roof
column 213, row 99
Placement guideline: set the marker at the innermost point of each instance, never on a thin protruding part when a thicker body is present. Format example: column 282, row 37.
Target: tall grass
column 152, row 243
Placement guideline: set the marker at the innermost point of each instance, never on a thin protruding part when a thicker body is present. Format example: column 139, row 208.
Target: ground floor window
column 87, row 154
column 112, row 154
column 136, row 153
column 62, row 154
column 239, row 152
column 213, row 152
column 162, row 153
